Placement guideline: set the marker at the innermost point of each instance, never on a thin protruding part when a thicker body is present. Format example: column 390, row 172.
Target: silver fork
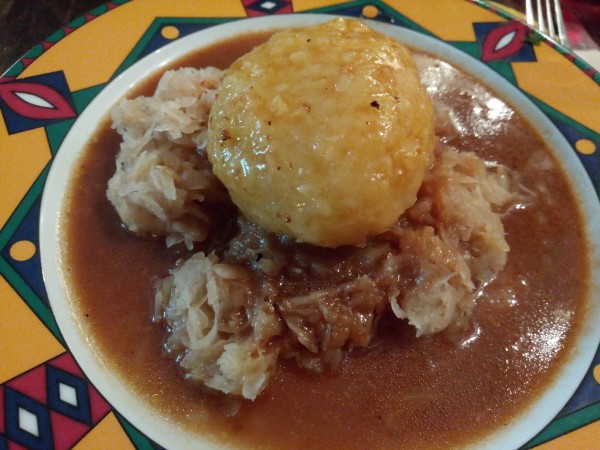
column 549, row 19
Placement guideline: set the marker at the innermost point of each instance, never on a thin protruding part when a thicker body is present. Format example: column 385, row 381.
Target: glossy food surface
column 400, row 392
column 324, row 133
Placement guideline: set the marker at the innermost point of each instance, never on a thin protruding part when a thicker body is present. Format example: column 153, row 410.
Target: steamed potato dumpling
column 323, row 133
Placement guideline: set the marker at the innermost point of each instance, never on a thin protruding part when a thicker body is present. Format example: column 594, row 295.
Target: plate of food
column 299, row 225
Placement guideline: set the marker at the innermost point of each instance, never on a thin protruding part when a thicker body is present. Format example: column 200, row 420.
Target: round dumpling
column 323, row 133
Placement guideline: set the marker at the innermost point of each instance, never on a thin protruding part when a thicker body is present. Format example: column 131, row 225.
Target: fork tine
column 529, row 13
column 541, row 22
column 552, row 13
column 560, row 23
column 549, row 17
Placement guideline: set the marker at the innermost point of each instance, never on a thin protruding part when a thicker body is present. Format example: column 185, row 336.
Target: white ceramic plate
column 524, row 427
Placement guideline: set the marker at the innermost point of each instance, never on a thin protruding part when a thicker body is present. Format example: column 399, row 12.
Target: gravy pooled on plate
column 445, row 389
column 336, row 174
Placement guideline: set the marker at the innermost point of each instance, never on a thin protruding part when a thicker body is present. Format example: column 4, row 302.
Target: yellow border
column 90, row 56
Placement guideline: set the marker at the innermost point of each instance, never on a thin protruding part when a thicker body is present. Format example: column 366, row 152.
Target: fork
column 553, row 18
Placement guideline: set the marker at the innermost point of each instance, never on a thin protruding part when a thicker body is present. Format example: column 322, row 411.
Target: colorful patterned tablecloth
column 46, row 401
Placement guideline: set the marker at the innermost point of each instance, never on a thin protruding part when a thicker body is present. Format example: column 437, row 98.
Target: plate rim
column 149, row 60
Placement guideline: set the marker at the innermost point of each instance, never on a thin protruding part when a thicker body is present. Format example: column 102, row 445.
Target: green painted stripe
column 56, row 132
column 566, row 424
column 154, row 28
column 83, row 97
column 138, row 439
column 35, row 51
column 56, row 36
column 133, row 55
column 14, row 70
column 77, row 22
column 470, row 48
column 382, row 6
column 38, row 307
column 504, row 69
column 23, row 208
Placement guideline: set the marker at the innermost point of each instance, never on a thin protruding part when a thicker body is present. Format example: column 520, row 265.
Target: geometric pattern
column 29, row 269
column 157, row 40
column 255, row 8
column 503, row 40
column 27, row 335
column 68, row 395
column 573, row 133
column 52, row 404
column 587, row 393
column 27, row 421
column 60, row 34
column 110, row 431
column 35, row 102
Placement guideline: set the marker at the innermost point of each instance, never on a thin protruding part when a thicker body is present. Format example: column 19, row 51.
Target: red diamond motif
column 67, row 363
column 66, row 431
column 99, row 406
column 27, row 61
column 32, row 384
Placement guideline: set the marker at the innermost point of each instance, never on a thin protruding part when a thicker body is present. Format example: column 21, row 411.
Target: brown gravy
column 400, row 392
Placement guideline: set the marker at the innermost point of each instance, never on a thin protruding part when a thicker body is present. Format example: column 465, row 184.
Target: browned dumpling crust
column 323, row 133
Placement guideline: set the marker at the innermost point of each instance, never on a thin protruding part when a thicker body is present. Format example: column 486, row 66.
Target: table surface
column 24, row 23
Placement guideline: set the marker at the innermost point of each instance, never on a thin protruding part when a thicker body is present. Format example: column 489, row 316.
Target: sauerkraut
column 161, row 181
column 234, row 310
